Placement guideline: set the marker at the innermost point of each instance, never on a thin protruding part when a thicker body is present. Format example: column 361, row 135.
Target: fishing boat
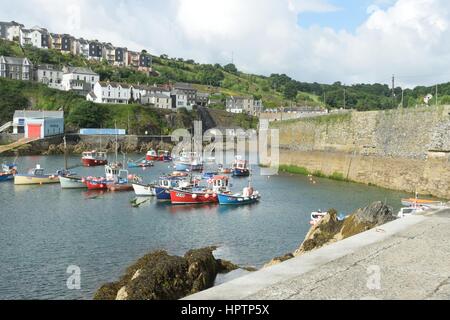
column 72, row 182
column 413, row 202
column 8, row 171
column 94, row 158
column 240, row 168
column 165, row 184
column 248, row 196
column 152, row 155
column 36, row 176
column 164, row 156
column 209, row 175
column 189, row 161
column 143, row 163
column 316, row 217
column 223, row 170
column 409, row 211
column 196, row 195
column 112, row 173
column 121, row 181
column 144, row 190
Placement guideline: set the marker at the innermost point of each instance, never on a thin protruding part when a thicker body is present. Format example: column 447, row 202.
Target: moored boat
column 164, row 155
column 248, row 196
column 316, row 217
column 140, row 164
column 94, row 158
column 35, row 176
column 72, row 182
column 414, row 202
column 197, row 195
column 8, row 171
column 165, row 184
column 409, row 211
column 240, row 168
column 152, row 155
column 189, row 161
column 143, row 190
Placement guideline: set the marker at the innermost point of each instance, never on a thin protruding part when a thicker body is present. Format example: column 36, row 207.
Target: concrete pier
column 405, row 259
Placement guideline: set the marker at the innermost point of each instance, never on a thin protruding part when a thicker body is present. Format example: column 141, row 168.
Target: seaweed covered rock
column 159, row 276
column 279, row 260
column 330, row 229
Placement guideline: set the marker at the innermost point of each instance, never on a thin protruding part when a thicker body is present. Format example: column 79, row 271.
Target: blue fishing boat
column 143, row 163
column 240, row 168
column 189, row 162
column 209, row 175
column 248, row 196
column 8, row 171
column 162, row 190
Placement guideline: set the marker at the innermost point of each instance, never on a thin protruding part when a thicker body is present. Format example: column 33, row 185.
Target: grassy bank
column 337, row 176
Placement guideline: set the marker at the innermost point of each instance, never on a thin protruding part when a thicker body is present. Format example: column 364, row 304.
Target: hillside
column 223, row 81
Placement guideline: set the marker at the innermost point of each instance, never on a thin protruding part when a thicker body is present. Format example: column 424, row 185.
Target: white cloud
column 405, row 37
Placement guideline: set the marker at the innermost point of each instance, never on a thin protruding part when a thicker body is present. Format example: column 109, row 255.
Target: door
column 34, row 131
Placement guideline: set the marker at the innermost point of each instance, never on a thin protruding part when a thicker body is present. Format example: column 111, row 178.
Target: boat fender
column 206, row 196
column 194, row 196
column 214, row 195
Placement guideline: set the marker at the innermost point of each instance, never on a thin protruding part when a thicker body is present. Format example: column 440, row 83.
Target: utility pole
column 436, row 94
column 345, row 100
column 402, row 97
column 393, row 91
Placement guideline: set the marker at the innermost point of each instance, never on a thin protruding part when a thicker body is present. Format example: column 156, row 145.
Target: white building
column 110, row 92
column 49, row 75
column 81, row 46
column 140, row 91
column 180, row 100
column 36, row 37
column 244, row 105
column 38, row 124
column 10, row 30
column 158, row 100
column 79, row 79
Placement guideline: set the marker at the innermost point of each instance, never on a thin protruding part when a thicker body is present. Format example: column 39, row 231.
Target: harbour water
column 44, row 230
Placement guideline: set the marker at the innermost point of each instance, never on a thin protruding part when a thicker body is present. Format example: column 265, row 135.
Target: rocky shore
column 160, row 276
column 330, row 229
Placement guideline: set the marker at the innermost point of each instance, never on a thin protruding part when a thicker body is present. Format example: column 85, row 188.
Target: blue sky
column 349, row 14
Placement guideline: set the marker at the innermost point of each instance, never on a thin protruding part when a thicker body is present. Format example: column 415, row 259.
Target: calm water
column 44, row 229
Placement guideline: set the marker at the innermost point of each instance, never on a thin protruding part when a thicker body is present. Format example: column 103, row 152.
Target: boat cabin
column 241, row 164
column 94, row 155
column 220, row 183
column 115, row 173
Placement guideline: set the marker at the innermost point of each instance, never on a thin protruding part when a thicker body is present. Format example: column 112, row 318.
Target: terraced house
column 36, row 37
column 110, row 92
column 10, row 30
column 16, row 68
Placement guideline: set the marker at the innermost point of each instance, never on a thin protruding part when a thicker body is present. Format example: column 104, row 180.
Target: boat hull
column 6, row 177
column 97, row 185
column 72, row 183
column 419, row 202
column 139, row 164
column 30, row 180
column 144, row 190
column 120, row 187
column 94, row 163
column 227, row 199
column 162, row 193
column 183, row 197
column 188, row 167
column 241, row 173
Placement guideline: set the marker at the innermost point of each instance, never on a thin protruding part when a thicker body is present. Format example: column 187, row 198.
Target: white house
column 110, row 92
column 10, row 30
column 49, row 75
column 36, row 37
column 79, row 79
column 140, row 91
column 159, row 100
column 38, row 124
column 180, row 100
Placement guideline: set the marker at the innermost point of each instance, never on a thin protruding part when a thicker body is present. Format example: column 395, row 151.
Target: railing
column 5, row 126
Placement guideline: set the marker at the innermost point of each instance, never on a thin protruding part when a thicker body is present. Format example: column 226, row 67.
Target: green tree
column 231, row 68
column 86, row 114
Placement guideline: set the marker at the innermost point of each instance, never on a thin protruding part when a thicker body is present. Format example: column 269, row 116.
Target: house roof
column 15, row 60
column 184, row 86
column 92, row 95
column 80, row 70
column 38, row 114
column 156, row 95
column 114, row 84
column 49, row 67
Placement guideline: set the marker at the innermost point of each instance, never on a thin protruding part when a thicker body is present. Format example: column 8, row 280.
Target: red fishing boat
column 97, row 183
column 94, row 159
column 201, row 195
column 152, row 155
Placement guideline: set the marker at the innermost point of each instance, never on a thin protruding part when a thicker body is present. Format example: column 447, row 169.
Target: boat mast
column 115, row 129
column 65, row 153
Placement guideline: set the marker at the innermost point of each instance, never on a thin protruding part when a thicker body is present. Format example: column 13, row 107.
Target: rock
column 159, row 276
column 330, row 229
column 279, row 260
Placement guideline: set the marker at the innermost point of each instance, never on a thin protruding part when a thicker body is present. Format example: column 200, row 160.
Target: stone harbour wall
column 406, row 149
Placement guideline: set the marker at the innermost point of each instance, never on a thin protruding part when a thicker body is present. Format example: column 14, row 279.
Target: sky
column 352, row 41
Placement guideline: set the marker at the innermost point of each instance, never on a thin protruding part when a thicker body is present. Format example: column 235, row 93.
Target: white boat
column 316, row 217
column 409, row 211
column 72, row 183
column 144, row 190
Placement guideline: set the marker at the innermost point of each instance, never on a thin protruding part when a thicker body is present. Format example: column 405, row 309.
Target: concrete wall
column 406, row 149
